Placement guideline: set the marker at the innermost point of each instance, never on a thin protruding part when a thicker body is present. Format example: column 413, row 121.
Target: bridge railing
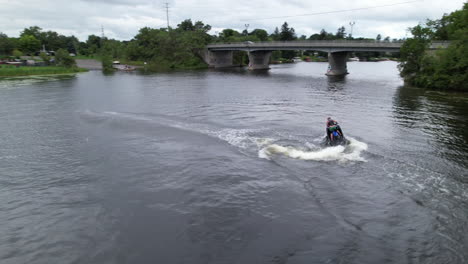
column 315, row 41
column 330, row 43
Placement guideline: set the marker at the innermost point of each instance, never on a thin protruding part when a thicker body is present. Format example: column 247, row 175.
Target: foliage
column 17, row 54
column 261, row 34
column 443, row 69
column 34, row 31
column 62, row 58
column 52, row 40
column 162, row 48
column 172, row 49
column 6, row 45
column 341, row 33
column 45, row 58
column 324, row 35
column 107, row 63
column 276, row 35
column 29, row 44
column 287, row 34
column 187, row 25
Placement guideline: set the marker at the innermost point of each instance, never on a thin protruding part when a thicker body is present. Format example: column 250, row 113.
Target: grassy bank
column 7, row 71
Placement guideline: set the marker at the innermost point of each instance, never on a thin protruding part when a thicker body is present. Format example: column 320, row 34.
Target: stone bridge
column 220, row 55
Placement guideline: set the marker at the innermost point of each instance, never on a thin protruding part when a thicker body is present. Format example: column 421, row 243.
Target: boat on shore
column 122, row 67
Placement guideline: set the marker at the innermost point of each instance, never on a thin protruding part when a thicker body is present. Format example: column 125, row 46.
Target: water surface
column 228, row 167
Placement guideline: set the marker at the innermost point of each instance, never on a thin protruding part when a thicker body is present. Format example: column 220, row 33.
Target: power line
column 335, row 11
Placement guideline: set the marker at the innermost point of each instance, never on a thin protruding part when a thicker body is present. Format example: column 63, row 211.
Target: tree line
column 162, row 48
column 445, row 69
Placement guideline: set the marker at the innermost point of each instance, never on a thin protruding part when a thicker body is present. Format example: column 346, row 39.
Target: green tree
column 323, row 35
column 229, row 35
column 315, row 37
column 46, row 58
column 32, row 31
column 93, row 44
column 179, row 48
column 379, row 37
column 287, row 33
column 261, row 34
column 340, row 33
column 412, row 51
column 17, row 54
column 445, row 68
column 186, row 25
column 276, row 34
column 107, row 64
column 201, row 27
column 29, row 44
column 62, row 58
column 6, row 45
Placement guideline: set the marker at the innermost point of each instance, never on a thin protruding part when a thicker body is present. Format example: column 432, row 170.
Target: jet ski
column 336, row 137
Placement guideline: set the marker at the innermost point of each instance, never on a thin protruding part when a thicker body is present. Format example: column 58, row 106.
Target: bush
column 17, row 54
column 107, row 63
column 45, row 58
column 62, row 58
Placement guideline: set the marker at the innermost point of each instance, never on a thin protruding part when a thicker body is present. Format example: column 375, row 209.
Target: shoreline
column 37, row 71
column 45, row 74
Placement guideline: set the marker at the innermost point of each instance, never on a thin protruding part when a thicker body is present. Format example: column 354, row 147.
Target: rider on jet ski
column 332, row 125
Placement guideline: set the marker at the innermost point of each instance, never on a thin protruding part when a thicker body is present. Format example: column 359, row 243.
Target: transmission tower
column 167, row 14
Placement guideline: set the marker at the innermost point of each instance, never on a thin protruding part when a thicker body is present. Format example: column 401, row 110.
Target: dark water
column 227, row 167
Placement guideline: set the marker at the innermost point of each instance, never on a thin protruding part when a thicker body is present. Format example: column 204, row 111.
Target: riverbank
column 12, row 71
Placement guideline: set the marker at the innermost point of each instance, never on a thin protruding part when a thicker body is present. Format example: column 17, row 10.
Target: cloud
column 122, row 19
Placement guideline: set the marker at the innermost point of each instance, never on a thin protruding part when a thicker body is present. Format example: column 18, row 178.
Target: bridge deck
column 320, row 45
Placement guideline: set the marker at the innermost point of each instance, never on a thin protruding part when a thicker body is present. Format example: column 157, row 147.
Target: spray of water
column 244, row 140
column 351, row 152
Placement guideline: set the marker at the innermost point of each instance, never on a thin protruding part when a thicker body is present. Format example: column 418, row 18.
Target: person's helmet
column 328, row 118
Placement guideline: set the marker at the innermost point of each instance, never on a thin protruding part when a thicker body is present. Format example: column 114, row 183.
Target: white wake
column 350, row 152
column 244, row 139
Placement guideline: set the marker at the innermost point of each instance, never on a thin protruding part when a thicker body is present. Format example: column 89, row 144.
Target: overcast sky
column 122, row 19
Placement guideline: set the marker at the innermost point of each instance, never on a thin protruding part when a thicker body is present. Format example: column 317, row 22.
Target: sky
column 121, row 19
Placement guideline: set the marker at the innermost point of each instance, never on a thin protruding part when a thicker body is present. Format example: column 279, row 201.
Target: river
column 227, row 166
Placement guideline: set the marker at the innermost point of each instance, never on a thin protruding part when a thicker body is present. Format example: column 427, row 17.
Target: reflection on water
column 441, row 115
column 336, row 83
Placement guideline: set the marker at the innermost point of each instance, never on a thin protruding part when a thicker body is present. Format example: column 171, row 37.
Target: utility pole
column 167, row 14
column 102, row 36
column 352, row 25
column 246, row 29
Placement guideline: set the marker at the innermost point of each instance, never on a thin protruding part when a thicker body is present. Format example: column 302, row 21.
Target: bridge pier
column 259, row 60
column 337, row 63
column 218, row 59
